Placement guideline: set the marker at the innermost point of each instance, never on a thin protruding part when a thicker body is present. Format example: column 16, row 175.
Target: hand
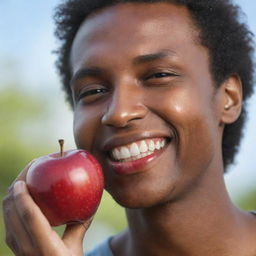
column 28, row 232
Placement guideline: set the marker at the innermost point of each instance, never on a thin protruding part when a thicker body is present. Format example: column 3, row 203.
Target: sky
column 26, row 47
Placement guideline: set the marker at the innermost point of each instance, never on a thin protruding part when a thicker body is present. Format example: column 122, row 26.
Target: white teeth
column 151, row 145
column 158, row 146
column 134, row 150
column 137, row 150
column 143, row 147
column 116, row 154
column 124, row 153
column 144, row 154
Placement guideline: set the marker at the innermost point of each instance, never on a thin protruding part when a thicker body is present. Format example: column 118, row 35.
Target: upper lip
column 121, row 140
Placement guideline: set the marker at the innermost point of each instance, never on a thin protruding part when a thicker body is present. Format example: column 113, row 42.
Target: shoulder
column 103, row 249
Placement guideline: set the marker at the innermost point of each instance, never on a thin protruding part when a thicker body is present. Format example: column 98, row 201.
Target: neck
column 204, row 222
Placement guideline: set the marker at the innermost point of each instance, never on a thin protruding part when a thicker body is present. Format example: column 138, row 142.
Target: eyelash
column 160, row 75
column 92, row 92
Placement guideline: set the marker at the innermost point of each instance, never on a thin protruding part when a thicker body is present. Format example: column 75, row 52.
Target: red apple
column 66, row 186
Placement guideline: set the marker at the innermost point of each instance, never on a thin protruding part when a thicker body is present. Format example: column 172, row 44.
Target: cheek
column 85, row 127
column 180, row 105
column 192, row 118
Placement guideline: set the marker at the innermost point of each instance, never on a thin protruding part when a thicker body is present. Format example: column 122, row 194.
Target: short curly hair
column 221, row 30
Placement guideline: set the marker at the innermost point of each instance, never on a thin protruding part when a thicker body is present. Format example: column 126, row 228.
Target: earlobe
column 232, row 99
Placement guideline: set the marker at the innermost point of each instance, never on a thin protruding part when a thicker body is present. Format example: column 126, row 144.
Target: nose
column 125, row 106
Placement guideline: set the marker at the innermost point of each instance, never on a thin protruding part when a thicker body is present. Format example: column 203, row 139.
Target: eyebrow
column 96, row 71
column 153, row 56
column 81, row 73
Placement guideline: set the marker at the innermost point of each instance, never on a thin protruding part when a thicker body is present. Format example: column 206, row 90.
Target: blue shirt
column 102, row 249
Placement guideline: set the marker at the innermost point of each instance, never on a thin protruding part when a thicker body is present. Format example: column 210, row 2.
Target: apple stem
column 61, row 142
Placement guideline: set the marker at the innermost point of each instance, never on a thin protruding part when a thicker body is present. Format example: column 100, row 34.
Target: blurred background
column 34, row 115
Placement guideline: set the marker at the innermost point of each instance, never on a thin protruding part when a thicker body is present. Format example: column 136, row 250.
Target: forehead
column 138, row 26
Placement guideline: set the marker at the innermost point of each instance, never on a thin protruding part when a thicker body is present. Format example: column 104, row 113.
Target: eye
column 90, row 95
column 160, row 75
column 92, row 92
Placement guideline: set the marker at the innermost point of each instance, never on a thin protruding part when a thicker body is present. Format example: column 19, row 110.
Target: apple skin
column 66, row 188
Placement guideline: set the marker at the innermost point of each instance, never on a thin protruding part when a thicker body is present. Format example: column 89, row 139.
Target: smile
column 137, row 150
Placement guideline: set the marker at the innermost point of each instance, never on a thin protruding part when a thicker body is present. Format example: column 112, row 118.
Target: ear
column 232, row 99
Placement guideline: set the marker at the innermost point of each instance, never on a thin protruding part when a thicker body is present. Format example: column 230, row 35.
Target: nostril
column 123, row 117
column 114, row 120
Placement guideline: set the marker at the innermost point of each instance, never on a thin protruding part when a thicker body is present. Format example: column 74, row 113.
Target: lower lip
column 135, row 166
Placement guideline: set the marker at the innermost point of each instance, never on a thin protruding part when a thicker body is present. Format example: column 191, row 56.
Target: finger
column 74, row 234
column 36, row 224
column 16, row 236
column 9, row 239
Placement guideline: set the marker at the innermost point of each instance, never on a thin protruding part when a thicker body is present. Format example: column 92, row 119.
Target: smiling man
column 158, row 90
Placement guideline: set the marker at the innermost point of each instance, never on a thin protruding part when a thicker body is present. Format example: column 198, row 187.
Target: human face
column 141, row 76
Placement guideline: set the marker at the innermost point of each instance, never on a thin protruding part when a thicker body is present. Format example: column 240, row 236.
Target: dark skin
column 139, row 71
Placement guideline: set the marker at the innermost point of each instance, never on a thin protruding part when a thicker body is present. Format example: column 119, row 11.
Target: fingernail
column 18, row 187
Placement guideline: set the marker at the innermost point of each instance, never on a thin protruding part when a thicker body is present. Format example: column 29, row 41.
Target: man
column 157, row 89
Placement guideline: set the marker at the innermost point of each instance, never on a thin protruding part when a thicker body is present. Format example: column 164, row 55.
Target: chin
column 135, row 199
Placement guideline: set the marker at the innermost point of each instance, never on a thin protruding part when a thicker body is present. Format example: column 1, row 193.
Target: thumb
column 74, row 234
